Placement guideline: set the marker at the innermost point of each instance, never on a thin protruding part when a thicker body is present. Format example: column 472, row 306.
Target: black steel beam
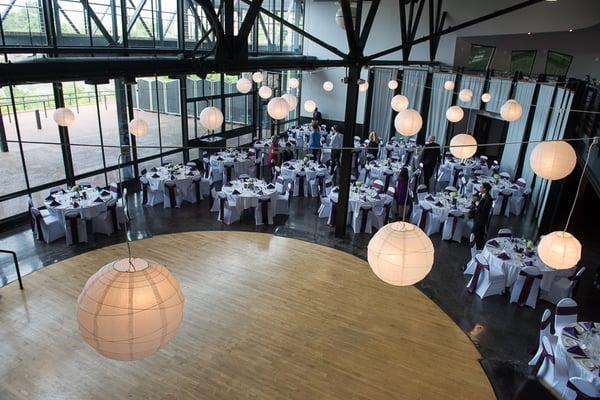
column 364, row 36
column 98, row 22
column 135, row 16
column 250, row 18
column 213, row 18
column 353, row 49
column 63, row 133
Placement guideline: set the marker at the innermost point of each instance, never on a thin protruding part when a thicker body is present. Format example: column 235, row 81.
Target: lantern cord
column 125, row 207
column 587, row 159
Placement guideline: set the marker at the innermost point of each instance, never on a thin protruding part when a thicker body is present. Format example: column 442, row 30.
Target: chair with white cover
column 172, row 195
column 263, row 215
column 280, row 185
column 421, row 192
column 75, row 229
column 544, row 367
column 47, row 227
column 300, row 184
column 391, row 192
column 317, row 185
column 424, row 218
column 519, row 202
column 324, row 207
column 228, row 212
column 580, row 389
column 562, row 287
column 453, row 227
column 450, row 189
column 565, row 314
column 331, row 220
column 362, row 220
column 382, row 213
column 195, row 194
column 526, row 289
column 388, row 178
column 114, row 189
column 228, row 172
column 444, row 173
column 213, row 203
column 505, row 175
column 545, row 326
column 502, row 203
column 152, row 197
column 470, row 267
column 505, row 233
column 283, row 201
column 486, row 281
column 378, row 185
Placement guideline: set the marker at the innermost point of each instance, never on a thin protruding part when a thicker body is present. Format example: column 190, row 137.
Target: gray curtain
column 440, row 101
column 475, row 83
column 524, row 95
column 381, row 109
column 499, row 90
column 413, row 86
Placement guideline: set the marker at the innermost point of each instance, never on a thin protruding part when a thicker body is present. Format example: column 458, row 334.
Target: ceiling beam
column 364, row 36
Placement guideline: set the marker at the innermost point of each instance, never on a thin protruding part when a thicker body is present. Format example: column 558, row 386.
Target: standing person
column 481, row 207
column 274, row 150
column 430, row 158
column 373, row 146
column 336, row 142
column 402, row 194
column 317, row 116
column 315, row 140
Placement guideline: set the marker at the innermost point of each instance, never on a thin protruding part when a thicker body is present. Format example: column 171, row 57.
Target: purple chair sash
column 422, row 190
column 454, row 223
column 38, row 221
column 222, row 201
column 321, row 184
column 478, row 267
column 73, row 220
column 301, row 185
column 364, row 216
column 264, row 207
column 505, row 198
column 257, row 167
column 112, row 209
column 423, row 217
column 546, row 323
column 566, row 310
column 543, row 355
column 228, row 169
column 527, row 285
column 579, row 395
column 472, row 243
column 455, row 177
column 386, row 185
column 197, row 190
column 144, row 193
column 386, row 213
column 172, row 196
column 333, row 215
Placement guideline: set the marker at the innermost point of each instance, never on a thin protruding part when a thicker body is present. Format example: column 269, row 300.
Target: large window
column 481, row 57
column 558, row 63
column 522, row 61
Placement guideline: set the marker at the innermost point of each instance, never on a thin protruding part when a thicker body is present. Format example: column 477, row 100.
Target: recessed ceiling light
column 570, row 30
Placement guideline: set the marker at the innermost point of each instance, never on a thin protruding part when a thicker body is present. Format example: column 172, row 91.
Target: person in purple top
column 402, row 195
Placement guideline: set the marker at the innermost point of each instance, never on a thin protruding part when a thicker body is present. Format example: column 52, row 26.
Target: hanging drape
column 499, row 90
column 413, row 87
column 440, row 101
column 475, row 83
column 516, row 129
column 381, row 110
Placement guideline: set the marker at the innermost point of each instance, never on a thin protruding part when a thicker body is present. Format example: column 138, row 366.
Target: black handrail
column 16, row 265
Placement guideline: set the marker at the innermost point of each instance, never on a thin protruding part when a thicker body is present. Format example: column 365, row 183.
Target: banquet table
column 510, row 256
column 242, row 162
column 578, row 352
column 466, row 166
column 245, row 194
column 360, row 195
column 182, row 175
column 498, row 184
column 88, row 202
column 377, row 167
column 442, row 204
column 289, row 169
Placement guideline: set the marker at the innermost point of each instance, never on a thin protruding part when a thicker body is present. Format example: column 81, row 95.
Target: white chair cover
column 545, row 326
column 565, row 314
column 562, row 288
column 502, row 203
column 486, row 281
column 580, row 389
column 527, row 287
column 362, row 220
column 453, row 226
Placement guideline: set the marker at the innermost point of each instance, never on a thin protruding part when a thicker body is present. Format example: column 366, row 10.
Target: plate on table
column 568, row 342
column 588, row 364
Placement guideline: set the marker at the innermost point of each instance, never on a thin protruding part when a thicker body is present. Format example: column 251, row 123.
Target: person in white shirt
column 336, row 142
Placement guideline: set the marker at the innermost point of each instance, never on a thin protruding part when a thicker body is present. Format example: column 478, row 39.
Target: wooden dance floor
column 265, row 317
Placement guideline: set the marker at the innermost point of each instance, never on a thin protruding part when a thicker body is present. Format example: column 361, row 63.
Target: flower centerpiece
column 76, row 189
column 358, row 183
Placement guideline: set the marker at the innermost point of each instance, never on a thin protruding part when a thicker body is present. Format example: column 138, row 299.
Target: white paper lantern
column 243, row 85
column 339, row 16
column 465, row 95
column 553, row 160
column 486, row 97
column 293, row 83
column 265, row 92
column 309, row 106
column 363, row 86
column 511, row 110
column 328, row 86
column 454, row 114
column 399, row 102
column 138, row 127
column 211, row 118
column 63, row 116
column 463, row 146
column 393, row 84
column 449, row 85
column 257, row 77
column 128, row 312
column 559, row 250
column 400, row 254
column 408, row 122
column 291, row 100
column 278, row 108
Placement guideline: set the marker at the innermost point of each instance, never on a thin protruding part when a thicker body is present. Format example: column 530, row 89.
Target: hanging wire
column 587, row 159
column 125, row 207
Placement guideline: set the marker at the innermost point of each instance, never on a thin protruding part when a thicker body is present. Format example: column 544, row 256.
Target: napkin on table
column 503, row 256
column 571, row 331
column 98, row 200
column 75, row 205
column 54, row 203
column 104, row 193
column 493, row 243
column 236, row 192
column 439, row 204
column 155, row 176
column 49, row 198
column 270, row 186
column 577, row 351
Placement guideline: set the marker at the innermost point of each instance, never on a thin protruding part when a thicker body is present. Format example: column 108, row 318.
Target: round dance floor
column 265, row 317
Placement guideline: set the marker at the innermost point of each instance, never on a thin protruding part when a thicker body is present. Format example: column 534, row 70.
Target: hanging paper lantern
column 449, row 85
column 559, row 250
column 129, row 309
column 328, row 86
column 553, row 160
column 211, row 118
column 339, row 16
column 465, row 95
column 257, row 77
column 291, row 100
column 278, row 108
column 400, row 254
column 243, row 85
column 455, row 114
column 463, row 146
column 138, row 127
column 511, row 111
column 486, row 97
column 393, row 84
column 408, row 122
column 63, row 116
column 293, row 83
column 309, row 106
column 363, row 86
column 265, row 92
column 399, row 102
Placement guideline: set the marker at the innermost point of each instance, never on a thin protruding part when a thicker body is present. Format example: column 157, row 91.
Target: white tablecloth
column 289, row 169
column 441, row 205
column 182, row 176
column 88, row 208
column 572, row 355
column 243, row 164
column 498, row 185
column 246, row 194
column 361, row 195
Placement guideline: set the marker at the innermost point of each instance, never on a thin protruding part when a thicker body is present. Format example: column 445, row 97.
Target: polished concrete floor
column 504, row 333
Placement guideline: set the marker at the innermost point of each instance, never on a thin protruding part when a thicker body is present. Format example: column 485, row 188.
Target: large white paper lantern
column 128, row 311
column 400, row 254
column 553, row 160
column 63, row 116
column 486, row 97
column 465, row 95
column 138, row 127
column 399, row 102
column 454, row 114
column 363, row 86
column 408, row 122
column 291, row 100
column 293, row 83
column 449, row 85
column 278, row 108
column 211, row 118
column 393, row 84
column 328, row 86
column 339, row 16
column 309, row 106
column 243, row 85
column 257, row 77
column 559, row 250
column 463, row 146
column 265, row 92
column 511, row 110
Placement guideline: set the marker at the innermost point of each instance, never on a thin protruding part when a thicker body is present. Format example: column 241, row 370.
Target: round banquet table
column 289, row 169
column 466, row 166
column 496, row 249
column 245, row 194
column 242, row 162
column 361, row 195
column 441, row 205
column 498, row 185
column 182, row 175
column 573, row 355
column 88, row 208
